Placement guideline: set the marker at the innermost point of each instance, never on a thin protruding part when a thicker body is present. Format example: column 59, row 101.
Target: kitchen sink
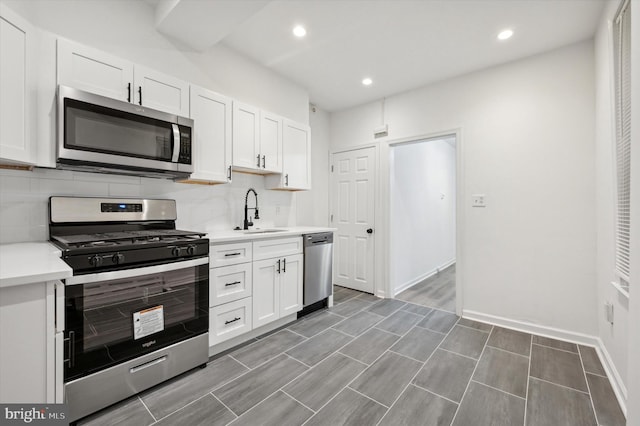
column 263, row 231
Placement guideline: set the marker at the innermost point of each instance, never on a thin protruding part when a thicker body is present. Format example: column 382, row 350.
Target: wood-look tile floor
column 437, row 291
column 368, row 361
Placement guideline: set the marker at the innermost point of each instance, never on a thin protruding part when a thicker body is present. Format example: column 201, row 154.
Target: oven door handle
column 136, row 272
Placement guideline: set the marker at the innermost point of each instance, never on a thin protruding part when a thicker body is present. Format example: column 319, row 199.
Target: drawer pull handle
column 233, row 283
column 232, row 254
column 233, row 320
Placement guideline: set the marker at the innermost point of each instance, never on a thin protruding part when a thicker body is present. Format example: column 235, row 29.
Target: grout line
column 584, row 373
column 368, row 397
column 434, row 331
column 526, row 394
column 416, row 375
column 145, row 406
column 298, row 401
column 242, row 363
column 551, row 347
column 499, row 390
column 472, row 328
column 589, row 372
column 456, row 353
column 387, row 331
column 562, row 386
column 357, row 360
column 405, row 356
column 504, row 350
column 302, row 362
column 179, row 409
column 301, row 335
column 224, row 405
column 342, row 332
column 471, row 378
column 434, row 393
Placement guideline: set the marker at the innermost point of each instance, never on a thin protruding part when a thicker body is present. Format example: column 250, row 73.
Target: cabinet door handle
column 284, row 265
column 140, row 95
column 286, row 179
column 232, row 254
column 233, row 320
column 278, row 271
column 229, row 174
column 258, row 164
column 233, row 283
column 129, row 92
column 264, row 164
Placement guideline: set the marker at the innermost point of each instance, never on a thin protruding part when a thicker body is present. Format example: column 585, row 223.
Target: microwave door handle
column 176, row 143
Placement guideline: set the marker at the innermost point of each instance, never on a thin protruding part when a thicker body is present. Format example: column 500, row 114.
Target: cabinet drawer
column 266, row 249
column 229, row 254
column 229, row 320
column 229, row 283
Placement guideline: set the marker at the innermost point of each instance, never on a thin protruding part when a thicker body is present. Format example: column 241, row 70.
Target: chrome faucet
column 247, row 222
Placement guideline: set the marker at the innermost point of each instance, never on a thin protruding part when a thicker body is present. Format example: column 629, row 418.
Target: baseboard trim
column 614, row 377
column 422, row 277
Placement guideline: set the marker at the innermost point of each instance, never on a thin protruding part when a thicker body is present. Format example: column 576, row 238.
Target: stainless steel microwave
column 100, row 134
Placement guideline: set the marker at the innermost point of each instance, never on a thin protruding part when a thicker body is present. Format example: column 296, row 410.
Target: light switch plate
column 478, row 200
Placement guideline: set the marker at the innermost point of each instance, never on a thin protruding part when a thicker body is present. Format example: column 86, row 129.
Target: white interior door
column 353, row 193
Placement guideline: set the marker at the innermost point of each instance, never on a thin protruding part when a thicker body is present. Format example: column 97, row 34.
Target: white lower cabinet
column 277, row 280
column 229, row 283
column 229, row 320
column 291, row 285
column 252, row 284
column 267, row 284
column 31, row 338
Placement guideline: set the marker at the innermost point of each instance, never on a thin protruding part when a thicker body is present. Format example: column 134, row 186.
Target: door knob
column 369, row 231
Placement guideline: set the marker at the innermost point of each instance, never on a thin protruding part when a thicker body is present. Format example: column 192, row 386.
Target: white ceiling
column 400, row 44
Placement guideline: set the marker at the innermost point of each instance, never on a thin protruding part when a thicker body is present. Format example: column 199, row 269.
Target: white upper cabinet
column 270, row 142
column 257, row 140
column 94, row 71
column 17, row 94
column 246, row 137
column 211, row 113
column 160, row 91
column 296, row 164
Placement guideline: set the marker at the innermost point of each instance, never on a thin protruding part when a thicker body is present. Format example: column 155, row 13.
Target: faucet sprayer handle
column 256, row 215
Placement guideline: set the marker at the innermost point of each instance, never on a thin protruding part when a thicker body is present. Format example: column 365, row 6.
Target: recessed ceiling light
column 367, row 81
column 299, row 31
column 505, row 34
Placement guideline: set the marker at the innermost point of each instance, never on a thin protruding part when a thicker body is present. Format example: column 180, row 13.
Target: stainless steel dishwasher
column 318, row 269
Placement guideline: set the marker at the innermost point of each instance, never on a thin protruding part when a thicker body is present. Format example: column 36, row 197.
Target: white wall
column 633, row 401
column 422, row 203
column 313, row 206
column 527, row 139
column 614, row 336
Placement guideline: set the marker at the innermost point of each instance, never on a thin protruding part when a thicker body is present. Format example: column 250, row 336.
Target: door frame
column 378, row 270
column 385, row 198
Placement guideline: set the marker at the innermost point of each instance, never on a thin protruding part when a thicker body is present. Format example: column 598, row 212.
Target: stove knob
column 191, row 250
column 118, row 258
column 176, row 251
column 95, row 261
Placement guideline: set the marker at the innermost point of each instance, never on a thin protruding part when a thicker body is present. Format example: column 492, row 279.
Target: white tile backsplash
column 24, row 200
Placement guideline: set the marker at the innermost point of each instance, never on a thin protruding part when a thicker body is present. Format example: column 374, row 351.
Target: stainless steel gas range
column 136, row 308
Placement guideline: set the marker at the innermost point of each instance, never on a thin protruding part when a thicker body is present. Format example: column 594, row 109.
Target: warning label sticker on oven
column 148, row 321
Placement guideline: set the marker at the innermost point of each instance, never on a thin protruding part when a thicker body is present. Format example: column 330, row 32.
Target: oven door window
column 112, row 321
column 95, row 128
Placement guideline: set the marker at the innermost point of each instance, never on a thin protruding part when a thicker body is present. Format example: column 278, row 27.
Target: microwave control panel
column 185, row 145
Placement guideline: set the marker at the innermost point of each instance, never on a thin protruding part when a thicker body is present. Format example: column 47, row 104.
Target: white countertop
column 228, row 236
column 25, row 263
